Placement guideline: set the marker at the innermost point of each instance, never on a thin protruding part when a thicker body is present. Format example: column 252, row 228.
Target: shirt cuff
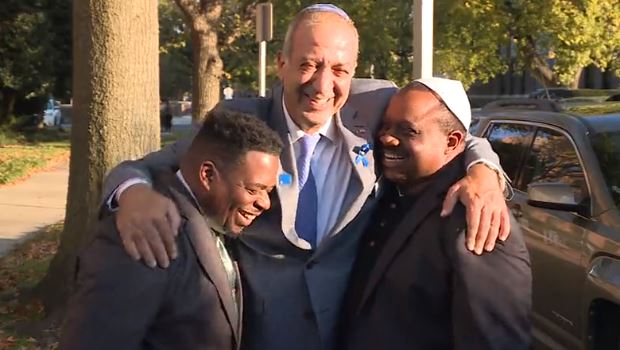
column 112, row 201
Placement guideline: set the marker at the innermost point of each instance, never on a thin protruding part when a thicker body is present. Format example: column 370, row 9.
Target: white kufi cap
column 453, row 95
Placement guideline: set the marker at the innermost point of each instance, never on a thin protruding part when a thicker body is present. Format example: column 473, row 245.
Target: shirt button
column 371, row 244
column 382, row 224
column 392, row 205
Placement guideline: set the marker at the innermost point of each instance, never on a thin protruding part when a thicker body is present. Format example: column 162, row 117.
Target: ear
column 208, row 174
column 280, row 61
column 454, row 140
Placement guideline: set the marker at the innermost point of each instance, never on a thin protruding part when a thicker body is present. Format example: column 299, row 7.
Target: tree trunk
column 8, row 104
column 207, row 70
column 115, row 117
column 575, row 83
column 538, row 65
column 203, row 17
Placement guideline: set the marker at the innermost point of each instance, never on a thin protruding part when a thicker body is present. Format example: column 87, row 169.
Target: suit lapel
column 204, row 245
column 287, row 182
column 355, row 135
column 430, row 199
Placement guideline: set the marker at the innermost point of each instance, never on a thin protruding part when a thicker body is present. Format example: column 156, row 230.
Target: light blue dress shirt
column 332, row 170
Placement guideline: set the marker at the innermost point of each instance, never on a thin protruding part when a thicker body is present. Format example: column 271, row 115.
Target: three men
column 223, row 184
column 415, row 285
column 296, row 258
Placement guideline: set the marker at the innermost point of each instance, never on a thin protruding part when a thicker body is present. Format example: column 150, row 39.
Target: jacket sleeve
column 116, row 299
column 491, row 301
column 478, row 149
column 166, row 158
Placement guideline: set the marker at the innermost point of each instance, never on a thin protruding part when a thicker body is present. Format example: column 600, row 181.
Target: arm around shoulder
column 479, row 150
column 168, row 157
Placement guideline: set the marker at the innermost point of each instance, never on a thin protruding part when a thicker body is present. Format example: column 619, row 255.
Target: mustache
column 309, row 90
column 393, row 151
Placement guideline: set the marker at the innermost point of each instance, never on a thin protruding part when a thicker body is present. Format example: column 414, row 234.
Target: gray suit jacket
column 293, row 296
column 121, row 304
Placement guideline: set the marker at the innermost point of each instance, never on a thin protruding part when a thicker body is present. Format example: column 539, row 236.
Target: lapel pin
column 362, row 151
column 285, row 179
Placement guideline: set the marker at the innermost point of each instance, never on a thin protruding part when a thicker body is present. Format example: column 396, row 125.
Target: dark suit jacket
column 123, row 304
column 427, row 291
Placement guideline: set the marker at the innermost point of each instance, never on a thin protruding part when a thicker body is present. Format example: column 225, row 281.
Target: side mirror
column 557, row 196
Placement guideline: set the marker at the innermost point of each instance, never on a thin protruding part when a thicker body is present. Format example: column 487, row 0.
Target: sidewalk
column 31, row 205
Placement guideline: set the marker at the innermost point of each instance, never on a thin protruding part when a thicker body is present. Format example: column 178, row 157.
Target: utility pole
column 422, row 39
column 264, row 33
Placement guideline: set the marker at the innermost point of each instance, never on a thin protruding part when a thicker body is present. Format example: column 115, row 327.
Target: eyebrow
column 259, row 185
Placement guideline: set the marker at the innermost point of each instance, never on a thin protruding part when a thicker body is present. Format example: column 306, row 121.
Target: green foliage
column 596, row 109
column 476, row 39
column 34, row 45
column 468, row 37
column 237, row 46
column 175, row 53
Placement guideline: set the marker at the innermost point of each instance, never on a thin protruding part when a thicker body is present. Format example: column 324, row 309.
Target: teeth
column 392, row 157
column 247, row 215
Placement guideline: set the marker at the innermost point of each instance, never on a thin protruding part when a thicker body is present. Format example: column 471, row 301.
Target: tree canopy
column 554, row 39
column 35, row 50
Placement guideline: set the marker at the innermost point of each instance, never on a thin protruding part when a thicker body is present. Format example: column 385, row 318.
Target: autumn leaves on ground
column 21, row 155
column 20, row 271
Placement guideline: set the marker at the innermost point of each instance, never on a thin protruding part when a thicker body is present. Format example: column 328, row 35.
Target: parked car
column 564, row 93
column 51, row 114
column 564, row 165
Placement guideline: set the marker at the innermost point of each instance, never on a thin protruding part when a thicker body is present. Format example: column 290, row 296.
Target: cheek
column 241, row 199
column 342, row 87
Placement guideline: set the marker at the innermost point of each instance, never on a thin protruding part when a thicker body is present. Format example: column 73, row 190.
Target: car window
column 509, row 141
column 607, row 149
column 553, row 158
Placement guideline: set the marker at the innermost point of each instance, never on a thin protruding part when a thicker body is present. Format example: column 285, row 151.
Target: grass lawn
column 19, row 272
column 24, row 153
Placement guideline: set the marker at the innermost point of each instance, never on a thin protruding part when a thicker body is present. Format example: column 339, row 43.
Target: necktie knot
column 307, row 145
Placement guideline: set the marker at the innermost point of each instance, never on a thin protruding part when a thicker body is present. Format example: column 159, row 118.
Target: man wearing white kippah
column 296, row 259
column 415, row 285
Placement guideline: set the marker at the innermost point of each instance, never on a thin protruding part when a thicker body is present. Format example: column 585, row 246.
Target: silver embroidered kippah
column 327, row 8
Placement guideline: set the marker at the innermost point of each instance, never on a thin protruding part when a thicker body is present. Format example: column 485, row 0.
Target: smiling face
column 316, row 73
column 414, row 144
column 240, row 193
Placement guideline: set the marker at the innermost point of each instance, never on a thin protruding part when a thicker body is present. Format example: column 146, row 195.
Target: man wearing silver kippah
column 415, row 285
column 296, row 259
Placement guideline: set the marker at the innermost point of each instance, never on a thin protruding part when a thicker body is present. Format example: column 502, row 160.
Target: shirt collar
column 214, row 227
column 328, row 130
column 182, row 179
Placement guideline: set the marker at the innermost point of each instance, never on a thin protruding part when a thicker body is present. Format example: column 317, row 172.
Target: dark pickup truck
column 564, row 163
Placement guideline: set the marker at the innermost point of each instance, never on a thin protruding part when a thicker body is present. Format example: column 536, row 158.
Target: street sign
column 264, row 12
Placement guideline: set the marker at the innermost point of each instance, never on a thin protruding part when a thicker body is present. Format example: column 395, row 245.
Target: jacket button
column 309, row 315
column 310, row 264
